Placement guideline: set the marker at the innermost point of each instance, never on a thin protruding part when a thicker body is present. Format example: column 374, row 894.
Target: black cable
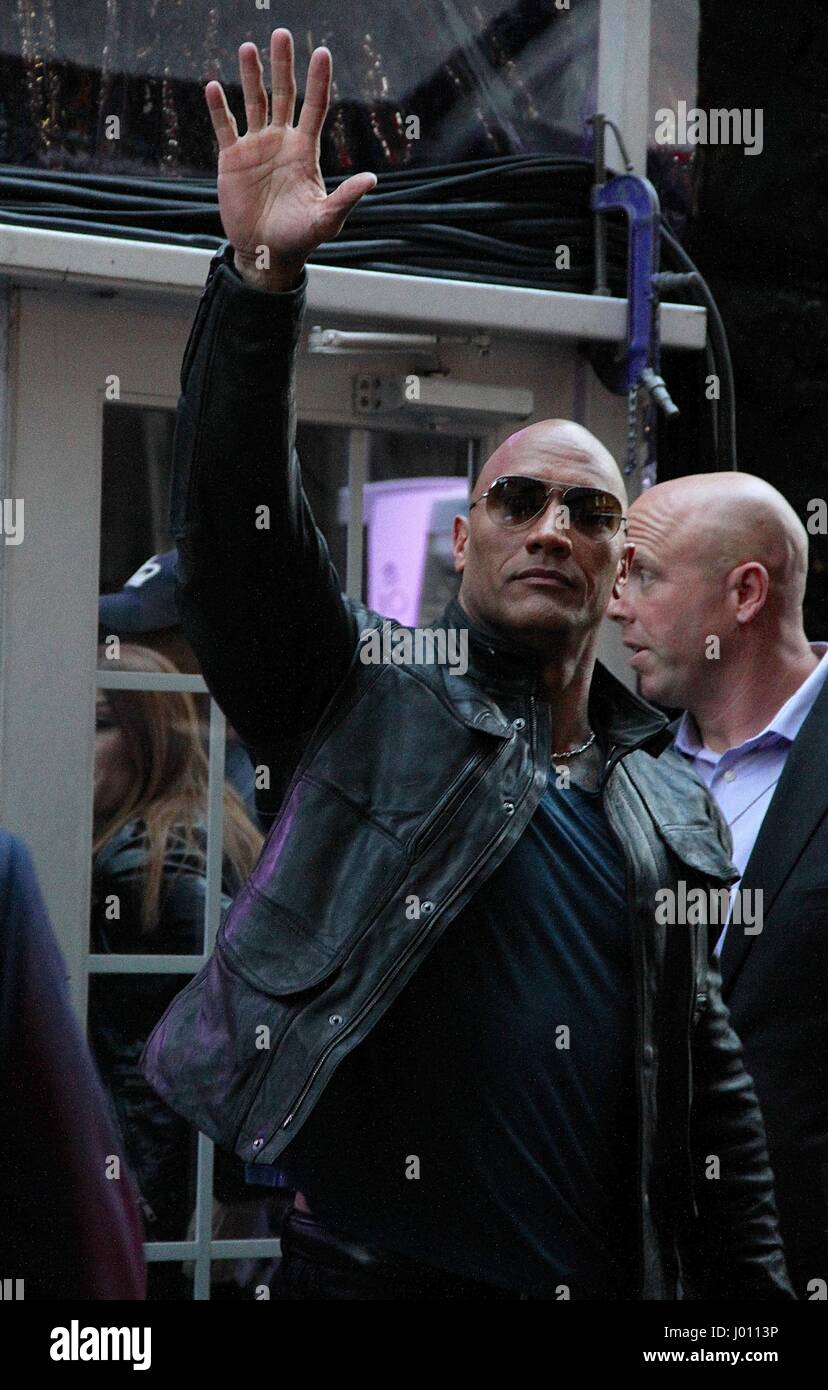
column 717, row 337
column 718, row 340
column 505, row 216
column 495, row 221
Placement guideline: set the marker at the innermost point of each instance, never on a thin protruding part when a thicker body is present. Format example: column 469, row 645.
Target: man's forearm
column 258, row 596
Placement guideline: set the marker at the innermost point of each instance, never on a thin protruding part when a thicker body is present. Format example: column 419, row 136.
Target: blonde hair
column 168, row 785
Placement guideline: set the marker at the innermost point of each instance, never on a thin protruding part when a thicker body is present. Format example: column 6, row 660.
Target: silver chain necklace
column 570, row 752
column 744, row 809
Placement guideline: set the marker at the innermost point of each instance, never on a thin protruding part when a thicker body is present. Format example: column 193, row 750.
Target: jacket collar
column 793, row 817
column 500, row 662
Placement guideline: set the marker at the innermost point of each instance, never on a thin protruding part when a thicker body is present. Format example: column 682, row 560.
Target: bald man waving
column 441, row 1008
column 712, row 612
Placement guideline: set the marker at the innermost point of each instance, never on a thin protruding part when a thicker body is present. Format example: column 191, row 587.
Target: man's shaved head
column 726, row 519
column 546, row 581
column 715, row 590
column 547, row 441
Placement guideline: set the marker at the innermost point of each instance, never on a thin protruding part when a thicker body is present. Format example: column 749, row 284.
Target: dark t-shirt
column 487, row 1124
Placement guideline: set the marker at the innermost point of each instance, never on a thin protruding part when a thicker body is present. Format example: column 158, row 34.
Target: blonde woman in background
column 148, row 895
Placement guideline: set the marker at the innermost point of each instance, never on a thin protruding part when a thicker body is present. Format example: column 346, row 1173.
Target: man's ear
column 623, row 571
column 459, row 540
column 749, row 584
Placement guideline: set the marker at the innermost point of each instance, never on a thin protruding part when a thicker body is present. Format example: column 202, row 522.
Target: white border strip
column 32, row 256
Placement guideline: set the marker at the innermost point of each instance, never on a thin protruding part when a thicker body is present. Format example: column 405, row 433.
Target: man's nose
column 617, row 609
column 551, row 529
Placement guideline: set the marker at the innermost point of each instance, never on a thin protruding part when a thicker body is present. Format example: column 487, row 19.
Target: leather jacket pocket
column 269, row 947
column 697, row 847
column 208, row 1054
column 309, row 901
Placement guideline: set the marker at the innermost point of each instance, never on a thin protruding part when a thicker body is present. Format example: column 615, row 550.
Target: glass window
column 417, row 483
column 323, row 454
column 674, row 63
column 414, row 484
column 153, row 793
column 169, row 1281
column 135, row 486
column 150, row 847
column 426, row 82
column 245, row 1216
column 159, row 1146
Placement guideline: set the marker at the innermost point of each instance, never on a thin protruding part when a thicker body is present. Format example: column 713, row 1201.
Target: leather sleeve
column 258, row 595
column 733, row 1249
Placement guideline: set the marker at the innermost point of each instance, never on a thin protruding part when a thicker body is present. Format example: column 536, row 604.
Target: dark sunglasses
column 515, row 500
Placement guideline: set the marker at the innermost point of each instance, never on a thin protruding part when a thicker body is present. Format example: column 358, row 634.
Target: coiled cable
column 503, row 221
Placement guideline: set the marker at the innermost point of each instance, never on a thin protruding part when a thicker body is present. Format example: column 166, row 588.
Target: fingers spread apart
column 224, row 122
column 317, row 94
column 283, row 80
column 253, row 88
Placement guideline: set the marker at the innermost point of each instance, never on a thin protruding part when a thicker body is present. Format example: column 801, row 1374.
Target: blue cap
column 146, row 602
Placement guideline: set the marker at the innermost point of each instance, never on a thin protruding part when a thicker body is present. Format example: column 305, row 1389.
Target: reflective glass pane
column 149, row 896
column 239, row 1214
column 116, row 85
column 135, row 484
column 323, row 454
column 674, row 53
column 169, row 1281
column 417, row 484
column 150, row 816
column 159, row 1146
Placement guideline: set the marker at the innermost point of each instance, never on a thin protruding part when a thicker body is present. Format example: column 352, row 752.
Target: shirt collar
column 496, row 659
column 785, row 724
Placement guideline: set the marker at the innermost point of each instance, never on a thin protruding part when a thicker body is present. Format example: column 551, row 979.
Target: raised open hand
column 270, row 187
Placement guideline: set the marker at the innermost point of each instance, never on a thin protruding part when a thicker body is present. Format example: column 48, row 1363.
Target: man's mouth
column 540, row 574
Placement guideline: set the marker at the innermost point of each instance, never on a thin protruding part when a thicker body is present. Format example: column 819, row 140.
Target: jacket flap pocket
column 269, row 947
column 698, row 846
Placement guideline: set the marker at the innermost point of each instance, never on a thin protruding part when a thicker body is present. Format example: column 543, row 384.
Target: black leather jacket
column 397, row 780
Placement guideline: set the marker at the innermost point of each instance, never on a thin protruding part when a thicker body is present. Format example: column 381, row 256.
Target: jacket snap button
column 335, row 1019
column 509, row 807
column 257, row 1143
column 518, row 723
column 426, row 907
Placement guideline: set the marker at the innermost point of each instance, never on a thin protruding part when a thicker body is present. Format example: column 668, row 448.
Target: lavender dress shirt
column 743, row 778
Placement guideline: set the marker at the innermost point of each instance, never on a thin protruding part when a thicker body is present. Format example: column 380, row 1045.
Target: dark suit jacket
column 69, row 1230
column 776, row 987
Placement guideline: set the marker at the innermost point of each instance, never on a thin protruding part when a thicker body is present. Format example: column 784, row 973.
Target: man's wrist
column 278, row 279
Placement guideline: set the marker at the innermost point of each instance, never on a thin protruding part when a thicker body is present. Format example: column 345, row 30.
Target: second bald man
column 712, row 612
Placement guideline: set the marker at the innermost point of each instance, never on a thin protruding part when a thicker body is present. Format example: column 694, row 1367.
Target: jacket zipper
column 638, row 974
column 387, row 979
column 697, row 1001
column 455, row 796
